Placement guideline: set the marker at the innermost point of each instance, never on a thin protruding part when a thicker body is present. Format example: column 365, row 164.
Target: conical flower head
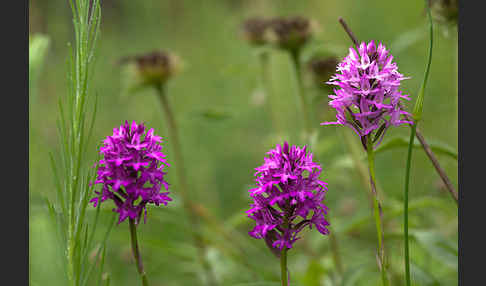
column 288, row 197
column 367, row 97
column 131, row 171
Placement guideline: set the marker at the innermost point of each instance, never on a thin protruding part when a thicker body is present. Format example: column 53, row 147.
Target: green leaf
column 315, row 271
column 407, row 39
column 422, row 277
column 441, row 249
column 214, row 114
column 436, row 146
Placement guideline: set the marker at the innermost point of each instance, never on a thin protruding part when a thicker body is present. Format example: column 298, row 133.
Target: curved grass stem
column 417, row 115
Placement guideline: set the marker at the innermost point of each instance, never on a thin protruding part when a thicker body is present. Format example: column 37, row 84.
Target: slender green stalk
column 266, row 79
column 72, row 182
column 417, row 116
column 377, row 211
column 187, row 203
column 295, row 56
column 405, row 206
column 136, row 252
column 283, row 266
column 283, row 254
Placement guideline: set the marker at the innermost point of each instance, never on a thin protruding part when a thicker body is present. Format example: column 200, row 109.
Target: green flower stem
column 283, row 256
column 405, row 205
column 355, row 151
column 136, row 252
column 377, row 210
column 283, row 266
column 417, row 116
column 295, row 55
column 187, row 203
column 267, row 85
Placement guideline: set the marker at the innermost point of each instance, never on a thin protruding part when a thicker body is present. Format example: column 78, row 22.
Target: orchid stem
column 378, row 214
column 136, row 252
column 283, row 266
column 405, row 205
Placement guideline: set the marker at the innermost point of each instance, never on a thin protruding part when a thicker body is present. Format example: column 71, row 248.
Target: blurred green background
column 222, row 76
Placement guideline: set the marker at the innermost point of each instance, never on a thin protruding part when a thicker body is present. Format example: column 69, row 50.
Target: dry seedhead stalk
column 291, row 33
column 322, row 69
column 254, row 30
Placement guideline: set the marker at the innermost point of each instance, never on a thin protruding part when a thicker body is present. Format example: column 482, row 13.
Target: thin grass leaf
column 402, row 142
column 100, row 275
column 93, row 117
column 103, row 244
column 57, row 182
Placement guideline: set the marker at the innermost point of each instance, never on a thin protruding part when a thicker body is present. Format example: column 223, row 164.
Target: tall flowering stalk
column 367, row 100
column 72, row 174
column 427, row 149
column 254, row 31
column 417, row 116
column 154, row 70
column 287, row 199
column 131, row 175
column 291, row 34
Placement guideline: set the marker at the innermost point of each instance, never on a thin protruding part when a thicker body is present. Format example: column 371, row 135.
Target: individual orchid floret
column 288, row 197
column 367, row 97
column 131, row 171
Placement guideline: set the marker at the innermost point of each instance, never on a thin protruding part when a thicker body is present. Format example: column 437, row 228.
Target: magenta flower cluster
column 131, row 171
column 288, row 197
column 368, row 98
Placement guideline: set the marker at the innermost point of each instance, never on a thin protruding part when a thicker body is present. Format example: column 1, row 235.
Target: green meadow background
column 226, row 129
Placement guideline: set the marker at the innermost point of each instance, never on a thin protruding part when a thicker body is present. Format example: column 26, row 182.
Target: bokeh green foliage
column 225, row 133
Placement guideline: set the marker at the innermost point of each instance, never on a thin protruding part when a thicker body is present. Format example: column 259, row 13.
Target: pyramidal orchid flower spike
column 131, row 171
column 367, row 97
column 288, row 197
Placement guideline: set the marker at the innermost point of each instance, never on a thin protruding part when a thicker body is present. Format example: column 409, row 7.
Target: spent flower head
column 322, row 68
column 367, row 98
column 445, row 11
column 151, row 69
column 254, row 30
column 131, row 171
column 291, row 33
column 288, row 197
